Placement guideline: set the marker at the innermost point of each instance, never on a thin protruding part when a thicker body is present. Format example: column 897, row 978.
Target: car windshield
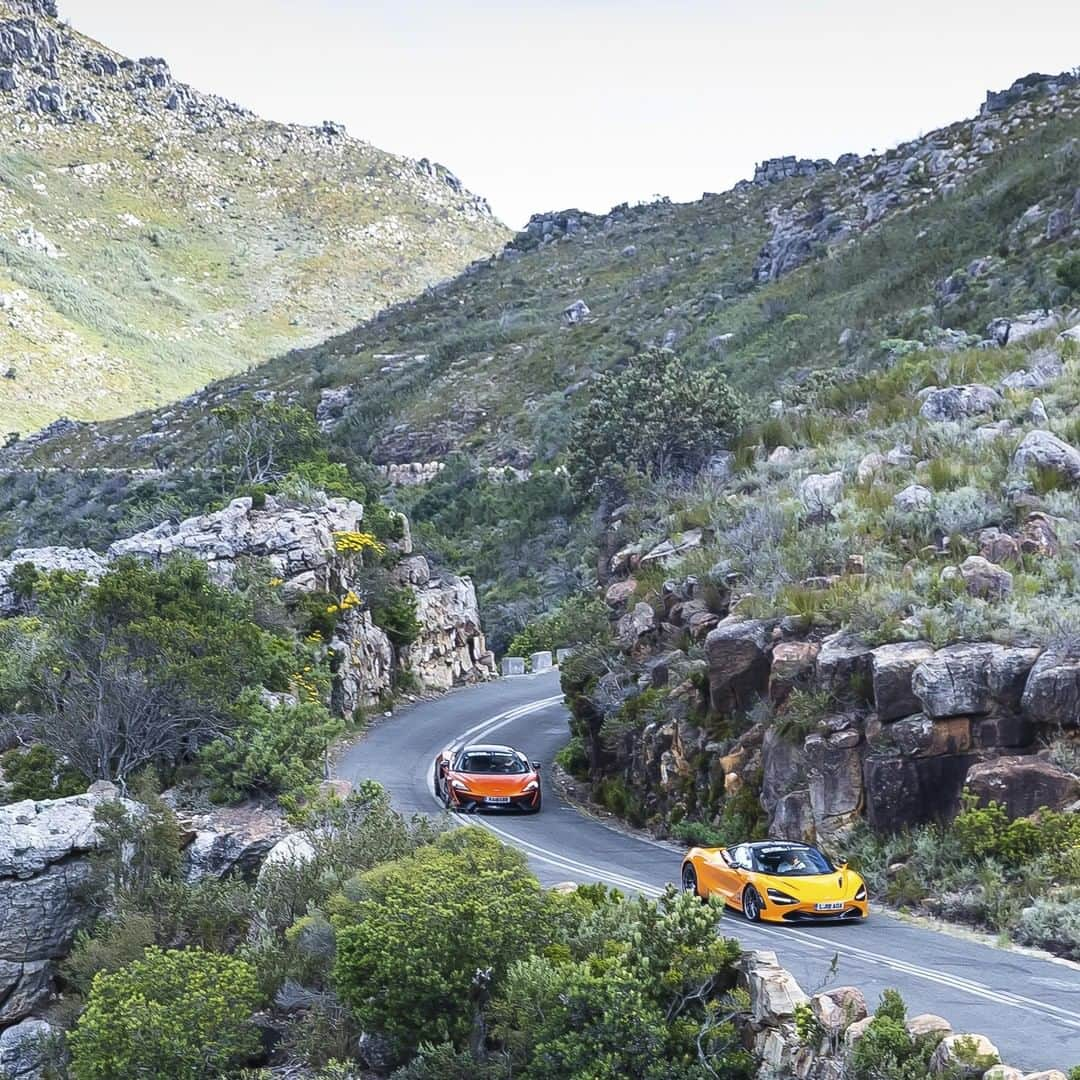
column 786, row 861
column 491, row 761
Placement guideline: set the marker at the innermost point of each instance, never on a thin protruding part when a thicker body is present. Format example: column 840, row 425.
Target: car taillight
column 778, row 897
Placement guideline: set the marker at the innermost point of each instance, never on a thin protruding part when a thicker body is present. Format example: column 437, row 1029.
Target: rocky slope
column 153, row 237
column 810, row 266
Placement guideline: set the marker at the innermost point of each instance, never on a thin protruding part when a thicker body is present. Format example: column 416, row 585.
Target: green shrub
column 271, row 750
column 394, row 612
column 577, row 620
column 184, row 1014
column 629, row 421
column 444, row 1062
column 409, row 948
column 37, row 773
column 1068, row 272
column 573, row 759
column 986, row 832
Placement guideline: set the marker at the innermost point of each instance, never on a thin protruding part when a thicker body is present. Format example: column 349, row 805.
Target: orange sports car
column 482, row 777
column 776, row 880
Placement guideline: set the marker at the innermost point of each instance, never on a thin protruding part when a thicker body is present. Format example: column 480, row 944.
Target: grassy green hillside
column 153, row 238
column 841, row 271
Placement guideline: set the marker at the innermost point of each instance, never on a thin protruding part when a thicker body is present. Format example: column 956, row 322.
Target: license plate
column 497, row 800
column 838, row 906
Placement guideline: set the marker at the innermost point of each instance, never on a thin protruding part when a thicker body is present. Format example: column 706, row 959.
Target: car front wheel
column 689, row 880
column 751, row 904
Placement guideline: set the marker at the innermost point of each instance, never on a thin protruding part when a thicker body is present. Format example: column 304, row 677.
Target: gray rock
column 971, row 679
column 577, row 312
column 1052, row 693
column 842, row 660
column 913, row 498
column 738, row 657
column 984, row 579
column 332, row 405
column 47, row 559
column 835, row 781
column 44, row 867
column 1023, row 785
column 1036, row 412
column 635, row 624
column 959, row 402
column 22, row 1049
column 820, row 492
column 1057, row 224
column 892, row 668
column 1044, row 450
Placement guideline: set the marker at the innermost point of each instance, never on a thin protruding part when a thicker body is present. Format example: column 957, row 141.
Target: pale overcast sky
column 547, row 104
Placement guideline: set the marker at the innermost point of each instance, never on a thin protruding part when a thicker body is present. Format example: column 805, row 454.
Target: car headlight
column 459, row 785
column 778, row 897
column 860, row 893
column 532, row 785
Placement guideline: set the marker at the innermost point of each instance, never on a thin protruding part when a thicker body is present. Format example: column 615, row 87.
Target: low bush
column 185, row 1014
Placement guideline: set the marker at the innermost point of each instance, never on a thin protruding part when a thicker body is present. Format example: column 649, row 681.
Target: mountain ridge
column 153, row 237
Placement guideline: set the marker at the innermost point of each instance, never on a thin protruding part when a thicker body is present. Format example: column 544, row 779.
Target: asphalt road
column 1028, row 1006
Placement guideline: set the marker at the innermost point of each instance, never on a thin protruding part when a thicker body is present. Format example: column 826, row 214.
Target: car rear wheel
column 751, row 904
column 689, row 880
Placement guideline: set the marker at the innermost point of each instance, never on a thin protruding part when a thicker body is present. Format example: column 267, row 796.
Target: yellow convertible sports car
column 776, row 880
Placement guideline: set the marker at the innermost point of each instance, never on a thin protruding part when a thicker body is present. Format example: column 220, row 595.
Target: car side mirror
column 444, row 766
column 536, row 766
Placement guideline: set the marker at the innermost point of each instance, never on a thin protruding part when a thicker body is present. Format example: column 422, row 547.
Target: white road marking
column 574, row 866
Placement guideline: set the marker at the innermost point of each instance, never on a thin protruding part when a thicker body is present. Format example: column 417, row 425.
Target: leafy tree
column 578, row 619
column 416, row 950
column 886, row 1051
column 184, row 1014
column 653, row 416
column 271, row 750
column 643, row 991
column 143, row 668
column 258, row 442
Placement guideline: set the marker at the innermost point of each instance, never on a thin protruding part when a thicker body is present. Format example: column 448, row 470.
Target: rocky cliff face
column 300, row 549
column 44, row 850
column 128, row 189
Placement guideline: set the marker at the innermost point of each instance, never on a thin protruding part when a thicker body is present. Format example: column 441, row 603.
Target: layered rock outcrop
column 44, row 868
column 892, row 734
column 300, row 549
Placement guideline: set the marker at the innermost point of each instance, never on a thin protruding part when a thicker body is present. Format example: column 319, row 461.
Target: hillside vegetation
column 153, row 238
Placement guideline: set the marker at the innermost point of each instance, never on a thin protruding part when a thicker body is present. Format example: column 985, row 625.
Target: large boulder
column 966, row 1056
column 231, row 841
column 905, row 791
column 913, row 498
column 44, row 869
column 1044, row 450
column 843, row 663
column 1023, row 784
column 774, row 992
column 635, row 624
column 835, row 780
column 921, row 736
column 792, row 666
column 451, row 649
column 965, row 679
column 892, row 668
column 22, row 1049
column 820, row 492
column 1052, row 693
column 793, row 818
column 783, row 767
column 738, row 656
column 298, row 544
column 985, row 580
column 958, row 402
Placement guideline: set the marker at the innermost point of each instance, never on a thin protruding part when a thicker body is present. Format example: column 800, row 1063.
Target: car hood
column 487, row 784
column 840, row 885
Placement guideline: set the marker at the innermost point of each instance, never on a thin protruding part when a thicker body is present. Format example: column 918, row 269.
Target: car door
column 724, row 873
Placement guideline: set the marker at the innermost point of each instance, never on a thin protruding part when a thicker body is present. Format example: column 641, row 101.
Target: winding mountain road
column 1028, row 1006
